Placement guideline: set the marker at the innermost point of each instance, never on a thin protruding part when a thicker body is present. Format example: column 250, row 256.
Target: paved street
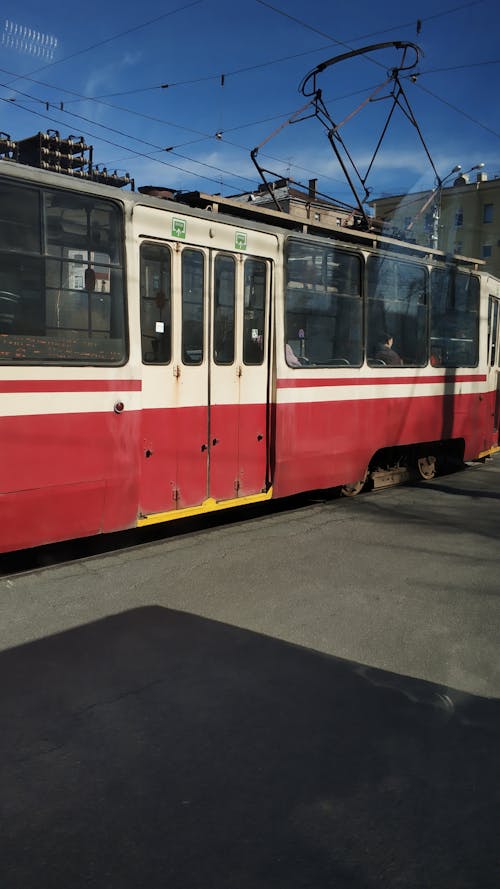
column 299, row 698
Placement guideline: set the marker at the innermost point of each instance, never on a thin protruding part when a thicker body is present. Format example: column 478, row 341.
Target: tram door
column 494, row 358
column 204, row 326
column 239, row 375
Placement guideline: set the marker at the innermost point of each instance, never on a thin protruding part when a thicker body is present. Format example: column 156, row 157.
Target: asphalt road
column 299, row 698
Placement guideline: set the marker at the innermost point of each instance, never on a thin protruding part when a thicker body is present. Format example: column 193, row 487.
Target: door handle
column 215, row 441
column 204, row 447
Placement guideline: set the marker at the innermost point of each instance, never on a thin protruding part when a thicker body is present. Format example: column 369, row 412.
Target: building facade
column 463, row 218
column 307, row 205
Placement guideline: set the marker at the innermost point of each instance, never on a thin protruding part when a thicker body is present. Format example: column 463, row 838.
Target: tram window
column 224, row 309
column 192, row 306
column 454, row 318
column 254, row 321
column 323, row 306
column 61, row 283
column 73, row 221
column 397, row 306
column 19, row 218
column 156, row 319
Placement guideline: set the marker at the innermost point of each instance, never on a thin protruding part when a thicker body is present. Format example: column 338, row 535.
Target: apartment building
column 463, row 218
column 308, row 205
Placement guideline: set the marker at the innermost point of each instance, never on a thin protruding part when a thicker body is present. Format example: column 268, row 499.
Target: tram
column 166, row 358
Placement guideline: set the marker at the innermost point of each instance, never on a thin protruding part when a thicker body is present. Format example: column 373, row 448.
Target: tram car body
column 160, row 359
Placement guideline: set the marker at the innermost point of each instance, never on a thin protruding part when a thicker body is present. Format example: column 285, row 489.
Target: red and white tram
column 166, row 358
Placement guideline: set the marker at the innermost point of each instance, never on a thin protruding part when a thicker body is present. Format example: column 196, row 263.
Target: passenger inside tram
column 386, row 353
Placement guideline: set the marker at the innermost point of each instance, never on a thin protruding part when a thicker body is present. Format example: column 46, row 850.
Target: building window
column 486, row 251
column 487, row 212
column 459, row 218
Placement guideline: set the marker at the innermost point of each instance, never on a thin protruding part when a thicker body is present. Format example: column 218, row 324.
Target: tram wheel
column 426, row 467
column 355, row 488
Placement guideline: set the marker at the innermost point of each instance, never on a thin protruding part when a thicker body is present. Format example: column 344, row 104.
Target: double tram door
column 205, row 412
column 494, row 359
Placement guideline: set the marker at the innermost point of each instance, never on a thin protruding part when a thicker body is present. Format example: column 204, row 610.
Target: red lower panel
column 238, row 459
column 63, row 476
column 174, row 458
column 186, row 457
column 325, row 444
column 62, row 512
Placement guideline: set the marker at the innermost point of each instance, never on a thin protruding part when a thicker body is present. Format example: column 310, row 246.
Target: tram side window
column 323, row 306
column 21, row 268
column 224, row 309
column 397, row 306
column 156, row 312
column 454, row 318
column 19, row 218
column 61, row 282
column 254, row 320
column 84, row 280
column 192, row 306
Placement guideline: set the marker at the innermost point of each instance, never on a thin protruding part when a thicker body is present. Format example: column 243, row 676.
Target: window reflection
column 224, row 309
column 192, row 306
column 323, row 306
column 255, row 288
column 156, row 320
column 454, row 318
column 397, row 304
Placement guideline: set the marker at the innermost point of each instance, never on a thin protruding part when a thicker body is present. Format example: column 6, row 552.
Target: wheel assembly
column 426, row 467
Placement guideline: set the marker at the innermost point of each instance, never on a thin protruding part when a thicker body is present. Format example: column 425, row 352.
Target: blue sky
column 233, row 72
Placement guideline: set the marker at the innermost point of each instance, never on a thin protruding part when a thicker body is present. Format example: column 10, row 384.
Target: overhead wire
column 412, row 23
column 203, row 136
column 107, row 40
column 134, row 152
column 459, row 111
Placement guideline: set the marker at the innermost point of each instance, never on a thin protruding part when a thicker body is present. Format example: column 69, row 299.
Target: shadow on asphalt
column 160, row 749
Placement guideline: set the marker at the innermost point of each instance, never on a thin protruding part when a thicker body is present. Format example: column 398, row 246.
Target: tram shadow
column 157, row 748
